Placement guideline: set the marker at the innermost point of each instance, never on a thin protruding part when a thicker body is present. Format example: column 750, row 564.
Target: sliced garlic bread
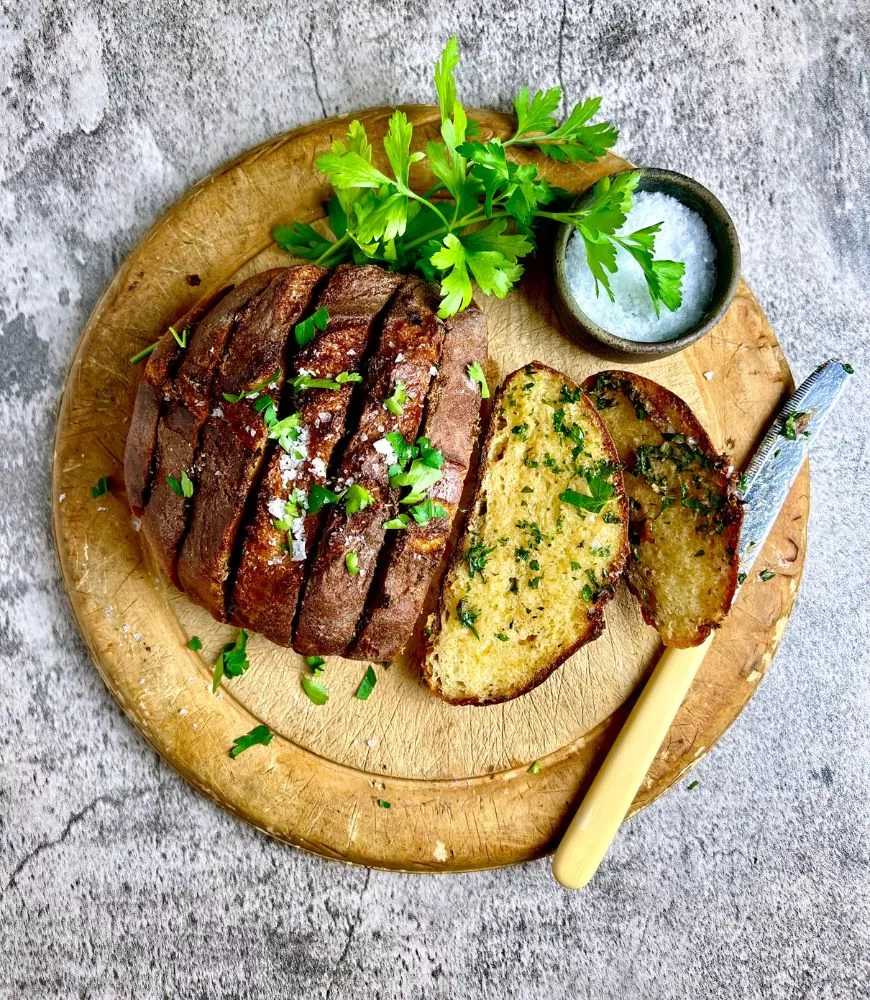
column 545, row 543
column 685, row 516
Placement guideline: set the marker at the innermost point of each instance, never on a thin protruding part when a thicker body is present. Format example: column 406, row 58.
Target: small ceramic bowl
column 724, row 236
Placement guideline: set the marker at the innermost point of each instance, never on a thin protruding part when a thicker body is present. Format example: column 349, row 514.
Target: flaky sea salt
column 683, row 236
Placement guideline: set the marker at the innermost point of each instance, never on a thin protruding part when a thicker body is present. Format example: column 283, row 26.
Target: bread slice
column 157, row 381
column 408, row 348
column 413, row 555
column 186, row 405
column 233, row 437
column 685, row 516
column 545, row 543
column 272, row 563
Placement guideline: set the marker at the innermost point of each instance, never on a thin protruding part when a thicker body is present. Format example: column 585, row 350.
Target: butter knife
column 763, row 490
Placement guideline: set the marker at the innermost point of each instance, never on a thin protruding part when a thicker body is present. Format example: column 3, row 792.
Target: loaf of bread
column 543, row 548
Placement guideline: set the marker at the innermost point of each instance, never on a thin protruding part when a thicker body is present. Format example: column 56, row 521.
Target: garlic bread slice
column 684, row 513
column 543, row 547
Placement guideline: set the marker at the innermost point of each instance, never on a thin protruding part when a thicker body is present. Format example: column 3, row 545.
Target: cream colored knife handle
column 614, row 787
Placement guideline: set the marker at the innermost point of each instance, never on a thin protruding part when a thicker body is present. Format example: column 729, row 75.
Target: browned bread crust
column 488, row 681
column 155, row 386
column 270, row 574
column 685, row 514
column 413, row 556
column 234, row 435
column 409, row 346
column 187, row 406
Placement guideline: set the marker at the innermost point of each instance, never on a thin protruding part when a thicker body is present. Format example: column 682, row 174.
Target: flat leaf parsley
column 478, row 221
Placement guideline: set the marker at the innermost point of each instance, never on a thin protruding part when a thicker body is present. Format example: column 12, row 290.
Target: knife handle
column 604, row 807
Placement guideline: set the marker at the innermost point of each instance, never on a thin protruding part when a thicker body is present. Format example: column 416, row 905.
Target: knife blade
column 782, row 452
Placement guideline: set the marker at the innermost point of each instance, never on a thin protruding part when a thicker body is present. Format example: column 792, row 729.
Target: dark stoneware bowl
column 724, row 236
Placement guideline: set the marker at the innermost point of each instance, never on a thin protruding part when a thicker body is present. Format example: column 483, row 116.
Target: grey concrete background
column 116, row 879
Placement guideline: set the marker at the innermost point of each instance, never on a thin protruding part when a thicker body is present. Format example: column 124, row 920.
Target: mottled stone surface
column 116, row 878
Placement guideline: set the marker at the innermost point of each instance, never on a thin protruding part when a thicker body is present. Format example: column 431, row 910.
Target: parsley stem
column 143, row 353
column 333, row 247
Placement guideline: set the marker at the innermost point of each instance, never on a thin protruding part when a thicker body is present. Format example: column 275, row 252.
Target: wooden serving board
column 457, row 779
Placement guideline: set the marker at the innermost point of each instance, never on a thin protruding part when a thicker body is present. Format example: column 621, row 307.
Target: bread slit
column 273, row 559
column 233, row 437
column 155, row 387
column 408, row 348
column 410, row 560
column 186, row 408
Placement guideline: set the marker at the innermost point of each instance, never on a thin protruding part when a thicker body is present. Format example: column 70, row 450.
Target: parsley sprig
column 478, row 221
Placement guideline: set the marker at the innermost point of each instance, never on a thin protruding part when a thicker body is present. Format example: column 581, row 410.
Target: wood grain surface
column 457, row 778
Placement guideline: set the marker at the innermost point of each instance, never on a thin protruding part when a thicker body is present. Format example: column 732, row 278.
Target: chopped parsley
column 426, row 511
column 258, row 736
column 306, row 330
column 314, row 689
column 741, row 579
column 501, row 637
column 600, row 551
column 357, row 498
column 182, row 487
column 101, row 488
column 692, row 785
column 194, row 643
column 848, row 369
column 574, row 566
column 600, row 492
column 383, row 804
column 476, row 374
column 569, row 395
column 767, row 574
column 476, row 557
column 794, row 424
column 367, row 684
column 232, row 662
column 315, row 664
column 521, row 431
column 534, row 767
column 741, row 482
column 467, row 617
column 396, row 403
column 351, row 561
column 302, row 382
column 319, row 496
column 397, row 523
column 237, row 397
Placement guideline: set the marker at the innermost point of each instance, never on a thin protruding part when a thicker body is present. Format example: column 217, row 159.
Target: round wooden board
column 457, row 778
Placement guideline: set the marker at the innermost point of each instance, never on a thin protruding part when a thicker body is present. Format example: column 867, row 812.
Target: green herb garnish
column 306, row 330
column 314, row 689
column 383, row 804
column 194, row 643
column 182, row 487
column 741, row 579
column 767, row 574
column 467, row 617
column 319, row 496
column 848, row 369
column 397, row 523
column 793, row 425
column 693, row 785
column 501, row 637
column 233, row 660
column 351, row 561
column 302, row 382
column 476, row 374
column 534, row 767
column 101, row 488
column 357, row 498
column 367, row 684
column 315, row 664
column 600, row 491
column 258, row 736
column 396, row 403
column 479, row 219
column 424, row 512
